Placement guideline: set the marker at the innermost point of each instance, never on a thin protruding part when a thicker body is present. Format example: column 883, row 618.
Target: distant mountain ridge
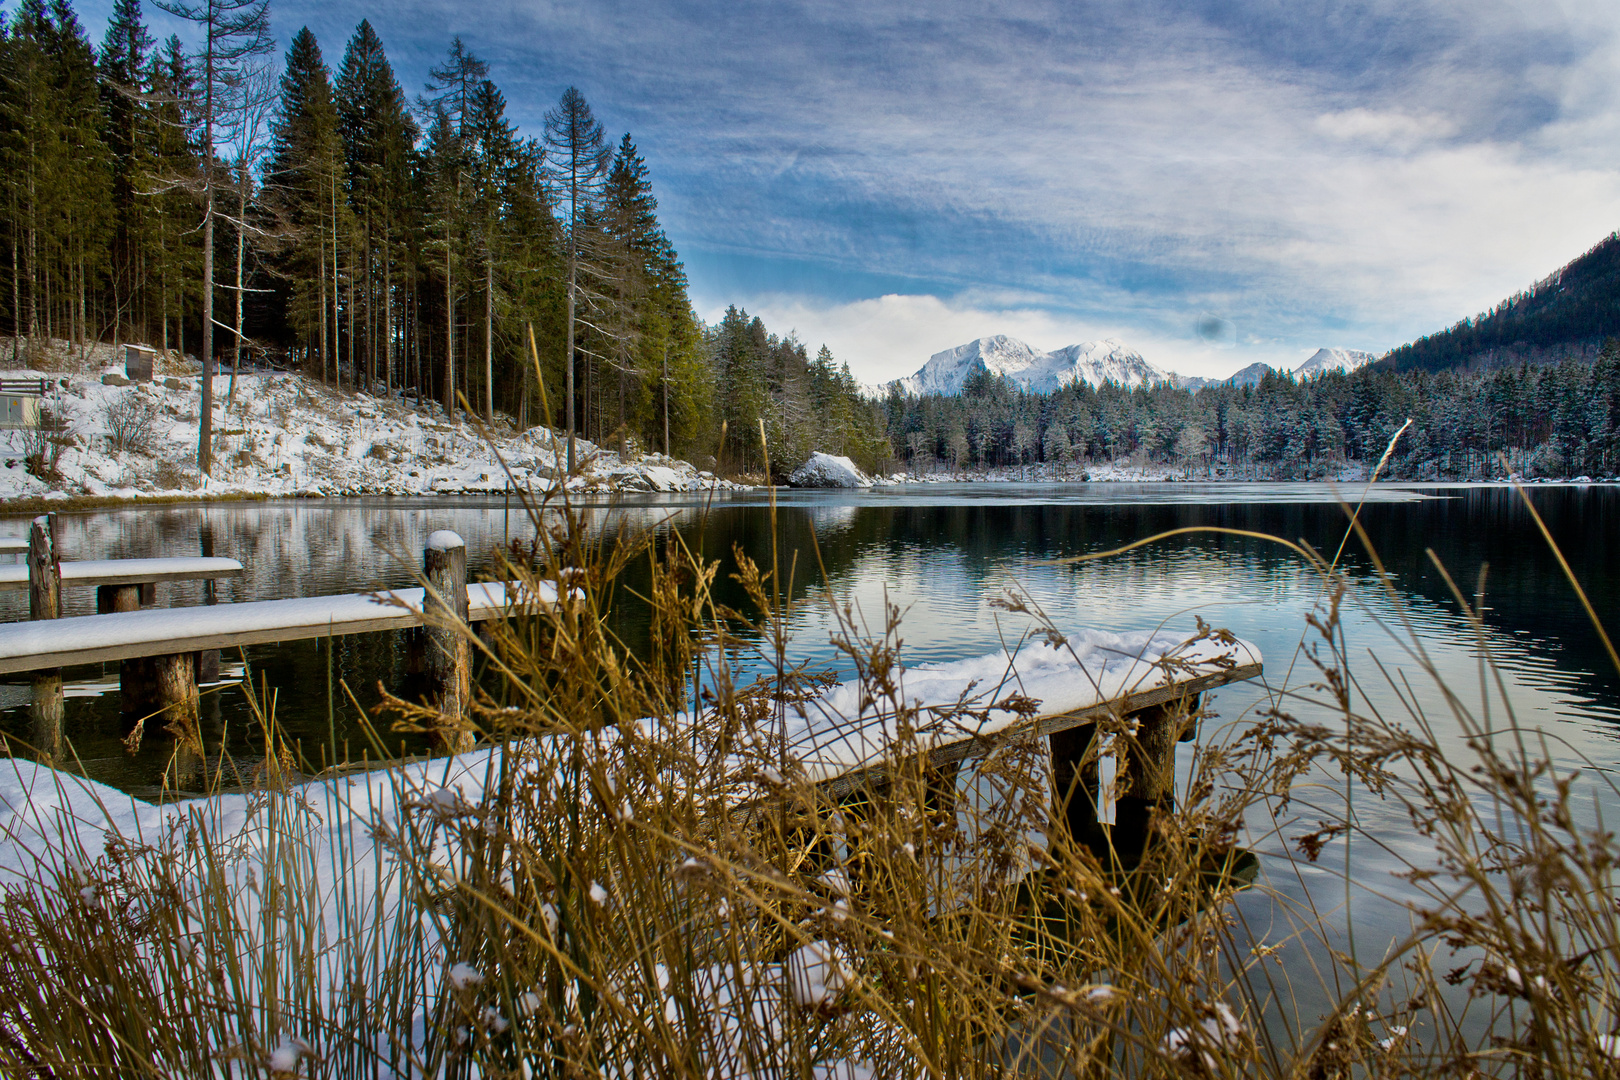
column 1090, row 362
column 1570, row 313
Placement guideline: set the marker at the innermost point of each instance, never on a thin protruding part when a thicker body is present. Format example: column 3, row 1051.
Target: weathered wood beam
column 45, row 603
column 449, row 652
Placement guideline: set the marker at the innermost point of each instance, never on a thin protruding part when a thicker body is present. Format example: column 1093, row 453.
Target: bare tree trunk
column 323, row 314
column 449, row 332
column 489, row 339
column 337, row 355
column 572, row 280
column 241, row 255
column 388, row 313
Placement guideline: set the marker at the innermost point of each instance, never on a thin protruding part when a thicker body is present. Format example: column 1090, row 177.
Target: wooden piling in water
column 1147, row 778
column 448, row 652
column 164, row 687
column 45, row 602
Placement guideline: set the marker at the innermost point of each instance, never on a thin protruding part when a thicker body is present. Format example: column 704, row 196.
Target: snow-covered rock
column 828, row 471
column 1323, row 360
column 1091, row 362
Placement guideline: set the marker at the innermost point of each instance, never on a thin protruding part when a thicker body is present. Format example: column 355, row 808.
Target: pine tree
column 124, row 53
column 377, row 134
column 578, row 162
column 234, row 32
column 301, row 181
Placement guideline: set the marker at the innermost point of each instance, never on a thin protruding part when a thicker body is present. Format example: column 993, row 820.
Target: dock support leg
column 449, row 653
column 1150, row 773
column 164, row 687
column 208, row 659
column 45, row 602
column 111, row 598
column 1075, row 780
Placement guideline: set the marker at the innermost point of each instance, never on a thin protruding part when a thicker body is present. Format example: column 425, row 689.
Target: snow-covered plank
column 91, row 639
column 126, row 571
column 13, row 544
column 956, row 707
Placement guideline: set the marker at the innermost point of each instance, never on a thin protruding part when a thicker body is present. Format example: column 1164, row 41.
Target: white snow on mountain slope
column 1092, row 362
column 1333, row 360
column 1251, row 375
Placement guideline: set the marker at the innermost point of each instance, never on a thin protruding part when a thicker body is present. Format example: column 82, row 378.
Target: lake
column 941, row 553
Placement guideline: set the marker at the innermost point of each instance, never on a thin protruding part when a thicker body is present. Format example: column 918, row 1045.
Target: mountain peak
column 1322, row 360
column 1091, row 362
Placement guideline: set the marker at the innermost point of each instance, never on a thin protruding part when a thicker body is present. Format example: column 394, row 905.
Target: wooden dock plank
column 126, row 571
column 90, row 639
column 970, row 746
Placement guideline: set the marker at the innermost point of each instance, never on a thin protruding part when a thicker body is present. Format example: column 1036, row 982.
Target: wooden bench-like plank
column 13, row 545
column 972, row 746
column 127, row 571
column 843, row 737
column 90, row 639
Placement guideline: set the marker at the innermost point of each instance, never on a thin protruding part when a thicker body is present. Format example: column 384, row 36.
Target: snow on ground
column 64, row 833
column 280, row 434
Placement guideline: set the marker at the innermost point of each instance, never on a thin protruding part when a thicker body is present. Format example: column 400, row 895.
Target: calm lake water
column 941, row 553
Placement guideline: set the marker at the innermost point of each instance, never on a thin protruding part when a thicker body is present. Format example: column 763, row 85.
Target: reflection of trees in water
column 946, row 559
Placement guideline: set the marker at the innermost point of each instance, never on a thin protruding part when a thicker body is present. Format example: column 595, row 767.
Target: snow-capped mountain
column 1249, row 376
column 1333, row 360
column 1093, row 362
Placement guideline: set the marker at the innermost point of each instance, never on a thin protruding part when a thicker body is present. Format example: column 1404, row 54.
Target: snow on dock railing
column 89, row 639
column 102, row 572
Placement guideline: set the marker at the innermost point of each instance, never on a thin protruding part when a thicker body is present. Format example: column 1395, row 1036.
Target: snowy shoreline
column 280, row 435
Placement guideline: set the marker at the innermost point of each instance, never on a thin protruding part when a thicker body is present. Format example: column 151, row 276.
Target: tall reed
column 632, row 878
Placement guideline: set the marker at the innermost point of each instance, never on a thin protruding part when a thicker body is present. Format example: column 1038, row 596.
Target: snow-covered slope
column 1093, row 362
column 283, row 435
column 1333, row 360
column 1251, row 375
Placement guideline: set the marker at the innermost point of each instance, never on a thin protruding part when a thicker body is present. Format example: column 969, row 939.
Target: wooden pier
column 157, row 648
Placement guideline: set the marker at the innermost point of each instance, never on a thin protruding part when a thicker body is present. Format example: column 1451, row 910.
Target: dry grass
column 639, row 896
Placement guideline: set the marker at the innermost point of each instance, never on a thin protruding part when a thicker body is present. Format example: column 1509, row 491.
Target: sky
column 1211, row 183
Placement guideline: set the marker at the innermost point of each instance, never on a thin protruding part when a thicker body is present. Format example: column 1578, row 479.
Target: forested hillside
column 1568, row 315
column 1555, row 420
column 372, row 239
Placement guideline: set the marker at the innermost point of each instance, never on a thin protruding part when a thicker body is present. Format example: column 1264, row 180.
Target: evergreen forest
column 230, row 204
column 1547, row 420
column 246, row 207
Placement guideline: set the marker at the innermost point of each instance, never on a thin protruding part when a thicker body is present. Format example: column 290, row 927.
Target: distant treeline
column 1547, row 420
column 1570, row 314
column 217, row 202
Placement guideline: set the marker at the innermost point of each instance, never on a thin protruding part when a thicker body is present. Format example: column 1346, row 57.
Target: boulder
column 828, row 471
column 112, row 378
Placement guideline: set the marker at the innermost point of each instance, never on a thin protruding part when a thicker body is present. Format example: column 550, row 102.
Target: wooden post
column 164, row 686
column 1075, row 782
column 449, row 653
column 111, row 598
column 45, row 602
column 208, row 659
column 1150, row 773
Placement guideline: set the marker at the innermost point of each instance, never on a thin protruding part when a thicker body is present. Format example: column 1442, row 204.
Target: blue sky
column 897, row 178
